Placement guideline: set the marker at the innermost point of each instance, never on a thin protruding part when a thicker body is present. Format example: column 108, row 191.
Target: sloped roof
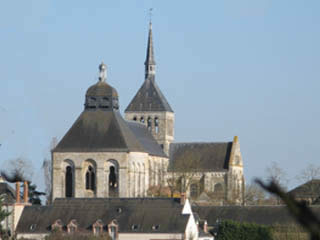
column 268, row 215
column 149, row 98
column 310, row 189
column 204, row 156
column 143, row 212
column 99, row 131
column 146, row 139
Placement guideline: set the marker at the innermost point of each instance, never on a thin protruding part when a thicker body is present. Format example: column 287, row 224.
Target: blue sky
column 248, row 68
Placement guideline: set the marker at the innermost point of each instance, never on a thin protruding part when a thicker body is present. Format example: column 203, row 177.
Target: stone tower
column 149, row 106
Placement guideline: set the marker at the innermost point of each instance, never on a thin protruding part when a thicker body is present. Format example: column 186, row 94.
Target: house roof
column 99, row 131
column 142, row 212
column 204, row 156
column 149, row 98
column 8, row 193
column 310, row 189
column 267, row 215
column 146, row 139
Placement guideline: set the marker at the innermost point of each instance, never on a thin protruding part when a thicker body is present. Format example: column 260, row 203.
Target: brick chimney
column 25, row 192
column 183, row 198
column 205, row 226
column 17, row 192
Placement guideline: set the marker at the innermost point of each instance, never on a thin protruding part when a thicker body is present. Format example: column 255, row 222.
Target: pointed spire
column 150, row 64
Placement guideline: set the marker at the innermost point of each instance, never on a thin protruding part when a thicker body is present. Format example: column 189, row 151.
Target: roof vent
column 33, row 227
column 135, row 227
column 119, row 210
column 155, row 227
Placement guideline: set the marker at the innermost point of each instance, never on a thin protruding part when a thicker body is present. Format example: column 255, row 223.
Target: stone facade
column 160, row 124
column 135, row 173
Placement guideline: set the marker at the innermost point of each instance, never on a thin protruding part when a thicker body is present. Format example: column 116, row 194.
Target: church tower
column 149, row 106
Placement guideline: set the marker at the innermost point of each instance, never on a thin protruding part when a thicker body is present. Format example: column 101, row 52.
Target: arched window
column 149, row 123
column 194, row 190
column 134, row 118
column 156, row 124
column 72, row 226
column 142, row 119
column 104, row 103
column 91, row 102
column 69, row 181
column 113, row 178
column 90, row 179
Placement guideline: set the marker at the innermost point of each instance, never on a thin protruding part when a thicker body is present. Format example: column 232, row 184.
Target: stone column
column 122, row 181
column 100, row 185
column 79, row 186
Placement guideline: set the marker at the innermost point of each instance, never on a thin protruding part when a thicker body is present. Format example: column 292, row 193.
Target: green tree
column 3, row 215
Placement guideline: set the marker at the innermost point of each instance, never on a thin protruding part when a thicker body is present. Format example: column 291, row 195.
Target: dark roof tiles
column 142, row 212
column 149, row 98
column 200, row 156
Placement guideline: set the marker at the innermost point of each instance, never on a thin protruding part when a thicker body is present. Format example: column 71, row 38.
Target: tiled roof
column 206, row 156
column 149, row 98
column 310, row 189
column 142, row 212
column 99, row 131
column 268, row 215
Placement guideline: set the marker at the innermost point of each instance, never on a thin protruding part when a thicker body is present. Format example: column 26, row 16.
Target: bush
column 230, row 230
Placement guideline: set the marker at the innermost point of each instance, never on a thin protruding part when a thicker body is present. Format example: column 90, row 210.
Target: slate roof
column 267, row 215
column 149, row 98
column 107, row 131
column 101, row 88
column 310, row 189
column 99, row 131
column 8, row 193
column 143, row 212
column 206, row 156
column 146, row 139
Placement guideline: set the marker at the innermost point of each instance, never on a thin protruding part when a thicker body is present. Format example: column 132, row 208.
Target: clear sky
column 227, row 67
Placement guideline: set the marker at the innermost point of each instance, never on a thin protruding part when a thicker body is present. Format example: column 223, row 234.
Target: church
column 107, row 155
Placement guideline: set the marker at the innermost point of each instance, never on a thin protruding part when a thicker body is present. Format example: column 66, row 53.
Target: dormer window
column 135, row 227
column 97, row 228
column 155, row 227
column 113, row 230
column 57, row 225
column 72, row 226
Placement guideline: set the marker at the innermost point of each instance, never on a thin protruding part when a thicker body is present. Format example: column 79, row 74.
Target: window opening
column 156, row 125
column 149, row 123
column 90, row 179
column 194, row 190
column 69, row 182
column 113, row 183
column 142, row 119
column 134, row 118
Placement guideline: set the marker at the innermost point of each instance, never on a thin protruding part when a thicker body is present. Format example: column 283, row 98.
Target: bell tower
column 149, row 106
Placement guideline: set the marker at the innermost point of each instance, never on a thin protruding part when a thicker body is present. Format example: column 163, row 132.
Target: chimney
column 25, row 192
column 205, row 226
column 183, row 198
column 17, row 192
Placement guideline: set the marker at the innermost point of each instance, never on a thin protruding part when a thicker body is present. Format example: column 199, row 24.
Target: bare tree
column 19, row 169
column 47, row 170
column 254, row 195
column 310, row 176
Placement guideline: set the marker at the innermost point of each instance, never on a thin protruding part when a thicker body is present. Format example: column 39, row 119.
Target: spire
column 150, row 64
